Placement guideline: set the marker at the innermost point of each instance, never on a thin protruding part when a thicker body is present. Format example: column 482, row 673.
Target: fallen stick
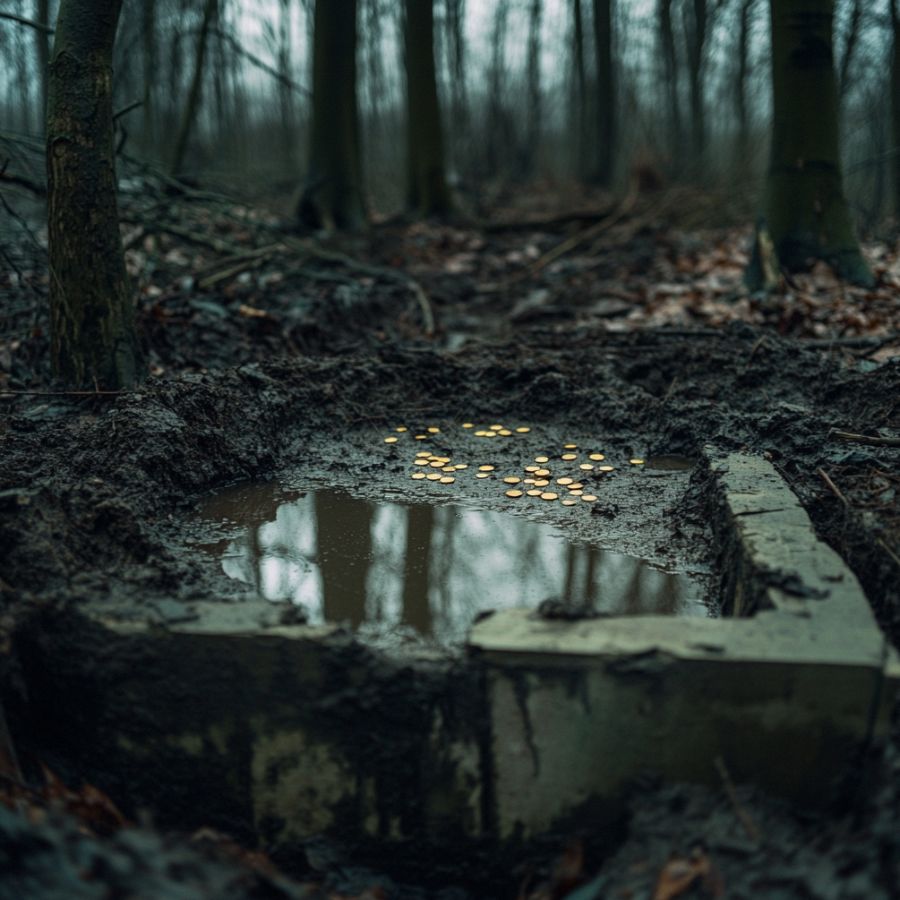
column 744, row 817
column 871, row 440
column 832, row 487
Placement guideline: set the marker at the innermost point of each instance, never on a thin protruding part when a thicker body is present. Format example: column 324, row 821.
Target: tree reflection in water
column 432, row 568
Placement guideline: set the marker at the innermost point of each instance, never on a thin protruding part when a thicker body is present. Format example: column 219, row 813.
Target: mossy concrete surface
column 221, row 715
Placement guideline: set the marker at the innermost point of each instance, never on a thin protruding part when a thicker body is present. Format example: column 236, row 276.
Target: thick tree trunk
column 427, row 192
column 607, row 122
column 740, row 83
column 189, row 113
column 697, row 31
column 534, row 114
column 580, row 91
column 93, row 341
column 417, row 569
column 807, row 213
column 333, row 194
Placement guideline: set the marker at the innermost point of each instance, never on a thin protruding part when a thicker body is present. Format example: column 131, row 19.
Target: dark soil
column 260, row 377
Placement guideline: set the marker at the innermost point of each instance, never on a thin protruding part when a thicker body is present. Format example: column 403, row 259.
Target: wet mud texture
column 90, row 489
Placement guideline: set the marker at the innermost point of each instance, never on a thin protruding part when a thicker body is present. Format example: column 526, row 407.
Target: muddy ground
column 303, row 361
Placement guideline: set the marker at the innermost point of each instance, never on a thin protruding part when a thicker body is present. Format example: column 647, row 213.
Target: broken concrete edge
column 287, row 732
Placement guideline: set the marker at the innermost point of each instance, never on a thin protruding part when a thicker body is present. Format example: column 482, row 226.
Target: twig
column 743, row 816
column 871, row 440
column 127, row 109
column 98, row 393
column 832, row 487
column 38, row 26
column 260, row 64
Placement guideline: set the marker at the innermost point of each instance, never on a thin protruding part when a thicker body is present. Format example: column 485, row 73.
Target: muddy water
column 432, row 569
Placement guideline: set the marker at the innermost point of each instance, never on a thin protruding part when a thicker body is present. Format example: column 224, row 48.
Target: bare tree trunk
column 426, row 186
column 285, row 100
column 579, row 100
column 534, row 113
column 93, row 340
column 42, row 46
column 671, row 74
column 189, row 114
column 807, row 213
column 740, row 82
column 495, row 150
column 149, row 60
column 696, row 29
column 333, row 194
column 607, row 120
column 417, row 569
column 850, row 46
column 895, row 98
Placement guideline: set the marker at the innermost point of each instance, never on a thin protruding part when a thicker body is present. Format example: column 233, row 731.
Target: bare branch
column 30, row 23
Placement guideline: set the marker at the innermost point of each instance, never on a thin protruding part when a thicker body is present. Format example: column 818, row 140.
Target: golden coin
column 449, row 469
column 587, row 467
column 432, row 430
column 542, row 473
column 434, row 476
column 569, row 502
column 436, row 464
column 531, row 468
column 504, row 433
column 486, row 468
column 482, row 474
column 461, row 466
column 391, row 440
column 534, row 493
column 564, row 481
column 527, row 481
column 496, row 428
column 522, row 430
column 576, row 486
column 513, row 493
column 490, row 434
column 421, row 437
column 570, row 446
column 467, row 425
column 589, row 498
column 606, row 468
column 549, row 495
column 636, row 461
column 418, row 475
column 568, row 457
column 421, row 462
column 512, row 479
column 448, row 479
column 541, row 482
column 542, row 459
column 443, row 459
column 597, row 457
column 577, row 492
column 401, row 428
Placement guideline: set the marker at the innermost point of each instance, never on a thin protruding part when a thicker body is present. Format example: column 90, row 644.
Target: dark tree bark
column 895, row 98
column 149, row 61
column 807, row 214
column 741, row 78
column 42, row 45
column 534, row 114
column 417, row 569
column 189, row 113
column 333, row 194
column 607, row 120
column 850, row 45
column 93, row 340
column 579, row 100
column 697, row 31
column 671, row 75
column 426, row 191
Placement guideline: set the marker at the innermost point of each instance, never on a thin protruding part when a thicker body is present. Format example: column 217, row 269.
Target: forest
column 450, row 448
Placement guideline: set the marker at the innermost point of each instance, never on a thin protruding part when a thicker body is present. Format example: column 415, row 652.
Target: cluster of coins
column 538, row 481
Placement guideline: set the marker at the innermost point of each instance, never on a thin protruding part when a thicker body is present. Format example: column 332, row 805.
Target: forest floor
column 626, row 318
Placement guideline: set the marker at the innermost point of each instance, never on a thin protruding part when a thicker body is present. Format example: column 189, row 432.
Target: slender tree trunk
column 42, row 47
column 671, row 74
column 495, row 150
column 534, row 114
column 191, row 108
column 149, row 61
column 285, row 100
column 579, row 78
column 850, row 45
column 807, row 213
column 333, row 194
column 740, row 83
column 426, row 193
column 895, row 99
column 607, row 120
column 93, row 340
column 696, row 28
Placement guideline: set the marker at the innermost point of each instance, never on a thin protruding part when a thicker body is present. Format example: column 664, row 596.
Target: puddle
column 392, row 566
